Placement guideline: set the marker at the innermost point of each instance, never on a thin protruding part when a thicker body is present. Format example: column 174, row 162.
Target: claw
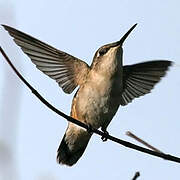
column 103, row 137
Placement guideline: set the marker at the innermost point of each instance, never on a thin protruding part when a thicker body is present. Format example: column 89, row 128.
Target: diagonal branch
column 137, row 174
column 130, row 134
column 93, row 130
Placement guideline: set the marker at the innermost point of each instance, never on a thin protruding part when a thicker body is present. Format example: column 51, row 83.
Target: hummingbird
column 102, row 87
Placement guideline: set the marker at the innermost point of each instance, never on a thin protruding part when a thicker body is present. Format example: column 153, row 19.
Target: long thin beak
column 121, row 41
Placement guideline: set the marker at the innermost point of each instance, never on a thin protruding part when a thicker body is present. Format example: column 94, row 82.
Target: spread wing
column 67, row 70
column 140, row 79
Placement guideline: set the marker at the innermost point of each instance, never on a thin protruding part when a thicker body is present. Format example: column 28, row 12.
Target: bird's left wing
column 139, row 79
column 67, row 70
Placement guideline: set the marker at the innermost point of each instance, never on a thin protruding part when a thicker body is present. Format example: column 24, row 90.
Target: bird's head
column 110, row 55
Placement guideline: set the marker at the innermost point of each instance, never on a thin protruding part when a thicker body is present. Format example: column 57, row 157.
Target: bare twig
column 137, row 174
column 130, row 134
column 93, row 130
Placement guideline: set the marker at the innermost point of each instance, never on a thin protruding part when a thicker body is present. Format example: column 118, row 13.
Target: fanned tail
column 72, row 145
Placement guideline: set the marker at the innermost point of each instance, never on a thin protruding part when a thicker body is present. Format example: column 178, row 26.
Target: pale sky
column 80, row 28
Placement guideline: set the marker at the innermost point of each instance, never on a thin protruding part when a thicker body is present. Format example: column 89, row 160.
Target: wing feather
column 67, row 70
column 140, row 79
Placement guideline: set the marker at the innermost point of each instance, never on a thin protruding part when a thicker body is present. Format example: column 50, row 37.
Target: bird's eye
column 103, row 51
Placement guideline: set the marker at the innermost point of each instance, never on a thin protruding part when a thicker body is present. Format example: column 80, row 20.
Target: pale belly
column 96, row 105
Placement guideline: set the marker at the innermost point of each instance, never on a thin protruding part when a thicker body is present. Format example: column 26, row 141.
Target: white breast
column 98, row 100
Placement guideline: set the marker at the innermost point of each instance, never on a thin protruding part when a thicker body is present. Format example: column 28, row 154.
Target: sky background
column 80, row 28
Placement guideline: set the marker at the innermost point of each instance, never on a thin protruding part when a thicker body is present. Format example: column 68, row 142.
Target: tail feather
column 72, row 146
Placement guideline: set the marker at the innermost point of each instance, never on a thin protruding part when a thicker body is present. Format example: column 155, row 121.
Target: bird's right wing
column 67, row 70
column 140, row 79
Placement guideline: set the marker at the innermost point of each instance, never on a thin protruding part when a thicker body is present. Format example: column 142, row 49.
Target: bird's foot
column 103, row 136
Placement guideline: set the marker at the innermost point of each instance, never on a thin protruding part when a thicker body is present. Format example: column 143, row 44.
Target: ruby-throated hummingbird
column 103, row 86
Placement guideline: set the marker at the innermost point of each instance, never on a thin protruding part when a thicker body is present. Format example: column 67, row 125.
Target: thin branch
column 130, row 134
column 137, row 174
column 93, row 130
